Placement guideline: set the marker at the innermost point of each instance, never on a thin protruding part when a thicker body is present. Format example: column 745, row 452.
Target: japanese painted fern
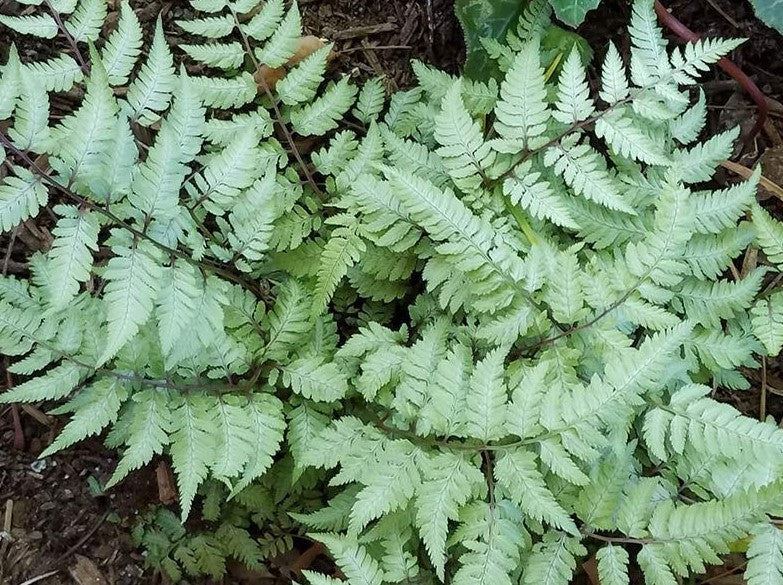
column 478, row 325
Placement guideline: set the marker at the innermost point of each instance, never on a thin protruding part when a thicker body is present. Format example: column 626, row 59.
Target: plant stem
column 683, row 32
column 278, row 115
column 71, row 41
column 206, row 266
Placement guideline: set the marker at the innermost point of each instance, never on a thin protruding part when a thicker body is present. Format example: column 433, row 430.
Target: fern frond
column 56, row 74
column 193, row 445
column 37, row 25
column 352, row 558
column 284, row 41
column 85, row 23
column 765, row 556
column 553, row 561
column 517, row 473
column 233, row 428
column 447, row 483
column 313, row 379
column 698, row 163
column 150, row 91
column 267, row 424
column 222, row 132
column 585, row 171
column 31, row 122
column 715, row 428
column 614, row 83
column 573, row 94
column 464, row 153
column 21, row 196
column 649, row 59
column 612, row 565
column 321, row 115
column 707, row 302
column 769, row 234
column 220, row 55
column 767, row 322
column 123, row 46
column 94, row 408
column 685, row 129
column 10, row 83
column 64, row 6
column 147, row 434
column 343, row 249
column 177, row 303
column 227, row 173
column 55, row 384
column 522, row 111
column 370, row 102
column 133, row 280
column 301, row 83
column 83, row 136
column 659, row 256
column 288, row 320
column 263, row 24
column 720, row 210
column 70, row 258
column 389, row 484
column 219, row 92
column 213, row 27
column 626, row 138
column 709, row 256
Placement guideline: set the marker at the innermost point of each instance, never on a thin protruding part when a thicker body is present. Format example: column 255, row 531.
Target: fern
column 464, row 340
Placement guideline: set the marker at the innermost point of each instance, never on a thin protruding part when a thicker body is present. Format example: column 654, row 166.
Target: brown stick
column 686, row 34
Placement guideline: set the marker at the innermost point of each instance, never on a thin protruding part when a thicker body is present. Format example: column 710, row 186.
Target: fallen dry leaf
column 84, row 572
column 745, row 173
column 167, row 491
column 269, row 76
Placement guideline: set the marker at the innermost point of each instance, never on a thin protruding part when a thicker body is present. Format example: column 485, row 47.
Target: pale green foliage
column 474, row 336
column 123, row 46
column 765, row 556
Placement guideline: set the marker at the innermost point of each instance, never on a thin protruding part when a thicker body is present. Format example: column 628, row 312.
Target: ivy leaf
column 573, row 12
column 485, row 18
column 770, row 12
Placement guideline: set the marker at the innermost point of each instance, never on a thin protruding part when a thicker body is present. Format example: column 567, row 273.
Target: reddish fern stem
column 683, row 32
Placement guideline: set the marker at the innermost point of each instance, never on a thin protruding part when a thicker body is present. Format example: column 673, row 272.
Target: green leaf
column 38, row 25
column 447, row 484
column 767, row 322
column 352, row 558
column 234, row 428
column 516, row 471
column 56, row 383
column 148, row 432
column 612, row 565
column 21, row 197
column 133, row 280
column 95, row 407
column 150, row 91
column 765, row 556
column 56, row 74
column 123, row 46
column 323, row 114
column 193, row 445
column 771, row 12
column 487, row 398
column 573, row 12
column 70, row 258
column 485, row 18
column 313, row 379
column 284, row 41
column 85, row 23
